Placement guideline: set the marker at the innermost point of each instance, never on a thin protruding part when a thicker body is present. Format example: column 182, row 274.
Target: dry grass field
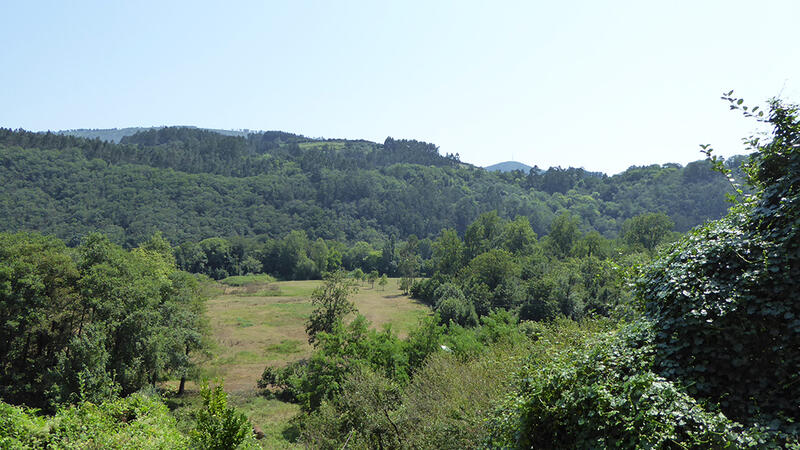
column 259, row 322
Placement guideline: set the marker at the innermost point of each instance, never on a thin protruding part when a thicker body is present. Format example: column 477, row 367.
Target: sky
column 602, row 85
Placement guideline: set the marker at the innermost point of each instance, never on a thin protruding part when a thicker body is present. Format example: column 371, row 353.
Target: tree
column 448, row 252
column 372, row 277
column 186, row 323
column 217, row 256
column 518, row 237
column 409, row 263
column 482, row 234
column 383, row 282
column 451, row 305
column 563, row 234
column 218, row 426
column 318, row 252
column 647, row 230
column 331, row 304
column 292, row 255
column 89, row 321
column 592, row 244
column 357, row 274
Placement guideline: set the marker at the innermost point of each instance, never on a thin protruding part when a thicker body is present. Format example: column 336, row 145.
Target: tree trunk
column 183, row 376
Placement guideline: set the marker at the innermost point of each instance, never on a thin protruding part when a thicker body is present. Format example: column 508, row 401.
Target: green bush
column 458, row 310
column 21, row 428
column 724, row 300
column 599, row 392
column 443, row 407
column 345, row 349
column 218, row 426
column 135, row 422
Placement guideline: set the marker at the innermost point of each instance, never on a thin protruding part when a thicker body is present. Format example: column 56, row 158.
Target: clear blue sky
column 598, row 84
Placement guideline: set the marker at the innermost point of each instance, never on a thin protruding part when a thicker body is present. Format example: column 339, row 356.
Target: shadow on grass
column 291, row 433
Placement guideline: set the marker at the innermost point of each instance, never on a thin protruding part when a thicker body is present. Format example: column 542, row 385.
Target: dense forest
column 568, row 309
column 192, row 184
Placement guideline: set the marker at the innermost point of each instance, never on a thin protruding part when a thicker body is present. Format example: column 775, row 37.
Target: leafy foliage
column 331, row 304
column 599, row 392
column 85, row 322
column 724, row 300
column 195, row 184
column 647, row 230
column 538, row 279
column 457, row 373
column 137, row 421
column 219, row 427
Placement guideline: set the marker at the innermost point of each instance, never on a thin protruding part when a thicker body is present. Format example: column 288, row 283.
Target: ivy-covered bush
column 598, row 392
column 724, row 300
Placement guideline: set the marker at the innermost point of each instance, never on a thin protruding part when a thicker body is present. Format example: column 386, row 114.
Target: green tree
column 647, row 230
column 448, row 252
column 593, row 244
column 331, row 304
column 40, row 310
column 383, row 282
column 318, row 252
column 357, row 274
column 451, row 305
column 372, row 277
column 73, row 320
column 518, row 237
column 219, row 426
column 483, row 233
column 409, row 263
column 218, row 259
column 292, row 257
column 563, row 235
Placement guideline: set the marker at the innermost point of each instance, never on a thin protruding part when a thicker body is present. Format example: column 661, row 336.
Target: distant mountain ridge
column 509, row 166
column 115, row 135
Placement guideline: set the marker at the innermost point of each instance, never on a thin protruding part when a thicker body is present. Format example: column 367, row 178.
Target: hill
column 117, row 134
column 509, row 166
column 193, row 184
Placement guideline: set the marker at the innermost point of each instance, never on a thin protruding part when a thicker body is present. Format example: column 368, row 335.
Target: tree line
column 87, row 322
column 708, row 317
column 193, row 184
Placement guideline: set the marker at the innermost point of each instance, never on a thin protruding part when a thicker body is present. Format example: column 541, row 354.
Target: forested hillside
column 117, row 134
column 652, row 339
column 193, row 184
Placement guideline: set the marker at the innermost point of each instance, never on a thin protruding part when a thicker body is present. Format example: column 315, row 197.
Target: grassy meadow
column 256, row 321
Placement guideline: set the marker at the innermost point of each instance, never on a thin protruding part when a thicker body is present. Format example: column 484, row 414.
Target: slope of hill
column 193, row 184
column 509, row 166
column 117, row 134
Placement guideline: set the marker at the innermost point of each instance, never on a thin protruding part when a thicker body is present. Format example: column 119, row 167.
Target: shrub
column 218, row 426
column 599, row 392
column 724, row 299
column 137, row 421
column 458, row 310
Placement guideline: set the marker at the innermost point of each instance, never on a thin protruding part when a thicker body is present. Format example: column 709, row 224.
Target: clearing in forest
column 256, row 321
